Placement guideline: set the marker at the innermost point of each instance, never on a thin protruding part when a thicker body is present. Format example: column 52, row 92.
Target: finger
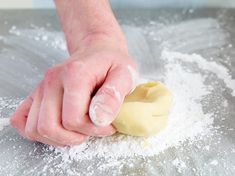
column 76, row 100
column 30, row 131
column 49, row 122
column 75, row 107
column 19, row 118
column 85, row 126
column 106, row 103
column 31, row 123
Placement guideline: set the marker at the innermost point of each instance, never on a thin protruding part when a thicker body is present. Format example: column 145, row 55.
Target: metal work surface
column 25, row 56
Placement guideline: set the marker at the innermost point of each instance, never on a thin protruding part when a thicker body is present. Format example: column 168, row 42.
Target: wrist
column 111, row 40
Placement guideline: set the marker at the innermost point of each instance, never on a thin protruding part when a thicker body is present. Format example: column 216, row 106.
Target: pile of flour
column 187, row 120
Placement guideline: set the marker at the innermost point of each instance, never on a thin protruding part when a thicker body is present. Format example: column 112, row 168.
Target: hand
column 62, row 109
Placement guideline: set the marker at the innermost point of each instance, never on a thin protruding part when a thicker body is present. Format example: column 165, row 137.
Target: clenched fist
column 78, row 98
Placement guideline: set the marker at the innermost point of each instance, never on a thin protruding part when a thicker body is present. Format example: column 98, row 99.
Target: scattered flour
column 4, row 122
column 186, row 122
column 214, row 162
column 211, row 66
column 53, row 40
column 180, row 165
column 7, row 105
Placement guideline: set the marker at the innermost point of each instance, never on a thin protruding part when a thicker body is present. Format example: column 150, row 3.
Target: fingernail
column 100, row 114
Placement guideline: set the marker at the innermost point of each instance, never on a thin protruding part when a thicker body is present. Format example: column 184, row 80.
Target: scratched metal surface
column 23, row 61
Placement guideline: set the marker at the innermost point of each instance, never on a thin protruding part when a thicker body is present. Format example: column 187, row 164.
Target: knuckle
column 75, row 74
column 30, row 134
column 77, row 70
column 50, row 76
column 72, row 123
column 46, row 130
column 73, row 67
column 50, row 72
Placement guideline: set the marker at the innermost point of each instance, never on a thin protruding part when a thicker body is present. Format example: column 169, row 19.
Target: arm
column 86, row 21
column 63, row 110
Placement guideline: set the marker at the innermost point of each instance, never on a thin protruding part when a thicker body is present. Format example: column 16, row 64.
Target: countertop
column 23, row 61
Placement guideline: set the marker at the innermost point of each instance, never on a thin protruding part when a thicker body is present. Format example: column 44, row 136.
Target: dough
column 145, row 111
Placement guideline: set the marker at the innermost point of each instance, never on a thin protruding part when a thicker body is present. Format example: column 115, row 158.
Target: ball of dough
column 145, row 111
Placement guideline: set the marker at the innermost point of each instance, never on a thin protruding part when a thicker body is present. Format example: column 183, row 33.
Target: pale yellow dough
column 145, row 111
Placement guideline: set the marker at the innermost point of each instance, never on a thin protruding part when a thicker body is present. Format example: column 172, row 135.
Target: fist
column 78, row 98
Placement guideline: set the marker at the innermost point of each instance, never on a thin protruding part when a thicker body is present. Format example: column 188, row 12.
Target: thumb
column 106, row 103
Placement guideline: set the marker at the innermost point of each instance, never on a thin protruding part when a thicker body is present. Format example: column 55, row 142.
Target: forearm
column 86, row 21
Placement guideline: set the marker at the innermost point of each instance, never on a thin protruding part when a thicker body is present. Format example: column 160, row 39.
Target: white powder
column 7, row 105
column 214, row 162
column 186, row 122
column 4, row 122
column 54, row 40
column 211, row 66
column 180, row 165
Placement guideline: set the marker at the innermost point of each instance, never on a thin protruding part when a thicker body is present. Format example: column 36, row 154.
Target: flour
column 53, row 40
column 180, row 165
column 211, row 66
column 7, row 105
column 186, row 122
column 214, row 162
column 3, row 123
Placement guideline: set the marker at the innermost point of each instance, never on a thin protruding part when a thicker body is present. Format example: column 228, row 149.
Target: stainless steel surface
column 22, row 65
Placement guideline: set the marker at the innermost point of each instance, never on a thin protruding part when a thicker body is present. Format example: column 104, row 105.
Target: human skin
column 81, row 96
